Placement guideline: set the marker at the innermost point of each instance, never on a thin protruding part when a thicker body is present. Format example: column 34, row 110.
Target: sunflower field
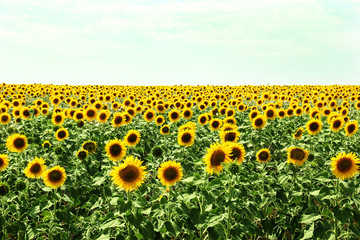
column 179, row 162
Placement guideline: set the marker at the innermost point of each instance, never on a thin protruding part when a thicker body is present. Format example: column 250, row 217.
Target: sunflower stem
column 169, row 213
column 128, row 194
column 229, row 208
column 336, row 203
column 3, row 230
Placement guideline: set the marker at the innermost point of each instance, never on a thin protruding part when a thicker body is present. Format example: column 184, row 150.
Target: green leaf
column 309, row 232
column 342, row 214
column 306, row 219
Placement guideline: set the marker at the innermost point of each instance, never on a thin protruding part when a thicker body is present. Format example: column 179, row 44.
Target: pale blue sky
column 180, row 42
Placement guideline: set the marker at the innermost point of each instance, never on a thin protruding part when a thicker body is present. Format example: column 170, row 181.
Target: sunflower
column 263, row 155
column 170, row 172
column 115, row 149
column 35, row 168
column 337, row 124
column 5, row 118
column 297, row 155
column 215, row 124
column 4, row 162
column 270, row 113
column 299, row 132
column 159, row 120
column 61, row 134
column 46, row 144
column 259, row 122
column 215, row 156
column 89, row 146
column 16, row 143
column 351, row 128
column 149, row 115
column 103, row 116
column 174, row 115
column 25, row 113
column 58, row 118
column 78, row 115
column 118, row 119
column 4, row 189
column 132, row 138
column 129, row 175
column 229, row 136
column 313, row 126
column 186, row 137
column 82, row 154
column 165, row 130
column 237, row 152
column 54, row 177
column 203, row 119
column 187, row 113
column 91, row 114
column 345, row 166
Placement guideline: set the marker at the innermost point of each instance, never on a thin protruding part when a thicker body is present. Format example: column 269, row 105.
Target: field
column 179, row 162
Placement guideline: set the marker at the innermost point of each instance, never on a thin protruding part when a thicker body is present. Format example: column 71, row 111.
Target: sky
column 158, row 42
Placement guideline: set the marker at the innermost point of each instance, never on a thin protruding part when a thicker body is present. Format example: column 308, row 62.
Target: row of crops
column 179, row 162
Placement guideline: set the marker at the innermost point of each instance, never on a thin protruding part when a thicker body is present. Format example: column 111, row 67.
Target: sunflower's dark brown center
column 170, row 174
column 115, row 150
column 89, row 146
column 186, row 137
column 131, row 112
column 56, row 101
column 79, row 116
column 118, row 120
column 3, row 190
column 97, row 106
column 230, row 113
column 297, row 154
column 230, row 137
column 203, row 119
column 165, row 129
column 129, row 174
column 127, row 117
column 102, row 116
column 314, row 126
column 19, row 143
column 187, row 114
column 82, row 155
column 62, row 134
column 298, row 111
column 90, row 113
column 174, row 115
column 344, row 164
column 35, row 168
column 263, row 156
column 26, row 113
column 2, row 162
column 259, row 122
column 132, row 138
column 327, row 112
column 46, row 145
column 241, row 107
column 298, row 133
column 215, row 124
column 336, row 124
column 217, row 157
column 160, row 108
column 159, row 120
column 253, row 115
column 55, row 176
column 4, row 118
column 235, row 153
column 149, row 115
column 270, row 113
column 351, row 128
column 290, row 112
column 58, row 118
column 17, row 113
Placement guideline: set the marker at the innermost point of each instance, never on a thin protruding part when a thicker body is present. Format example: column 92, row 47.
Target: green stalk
column 169, row 214
column 127, row 223
column 229, row 210
column 336, row 203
